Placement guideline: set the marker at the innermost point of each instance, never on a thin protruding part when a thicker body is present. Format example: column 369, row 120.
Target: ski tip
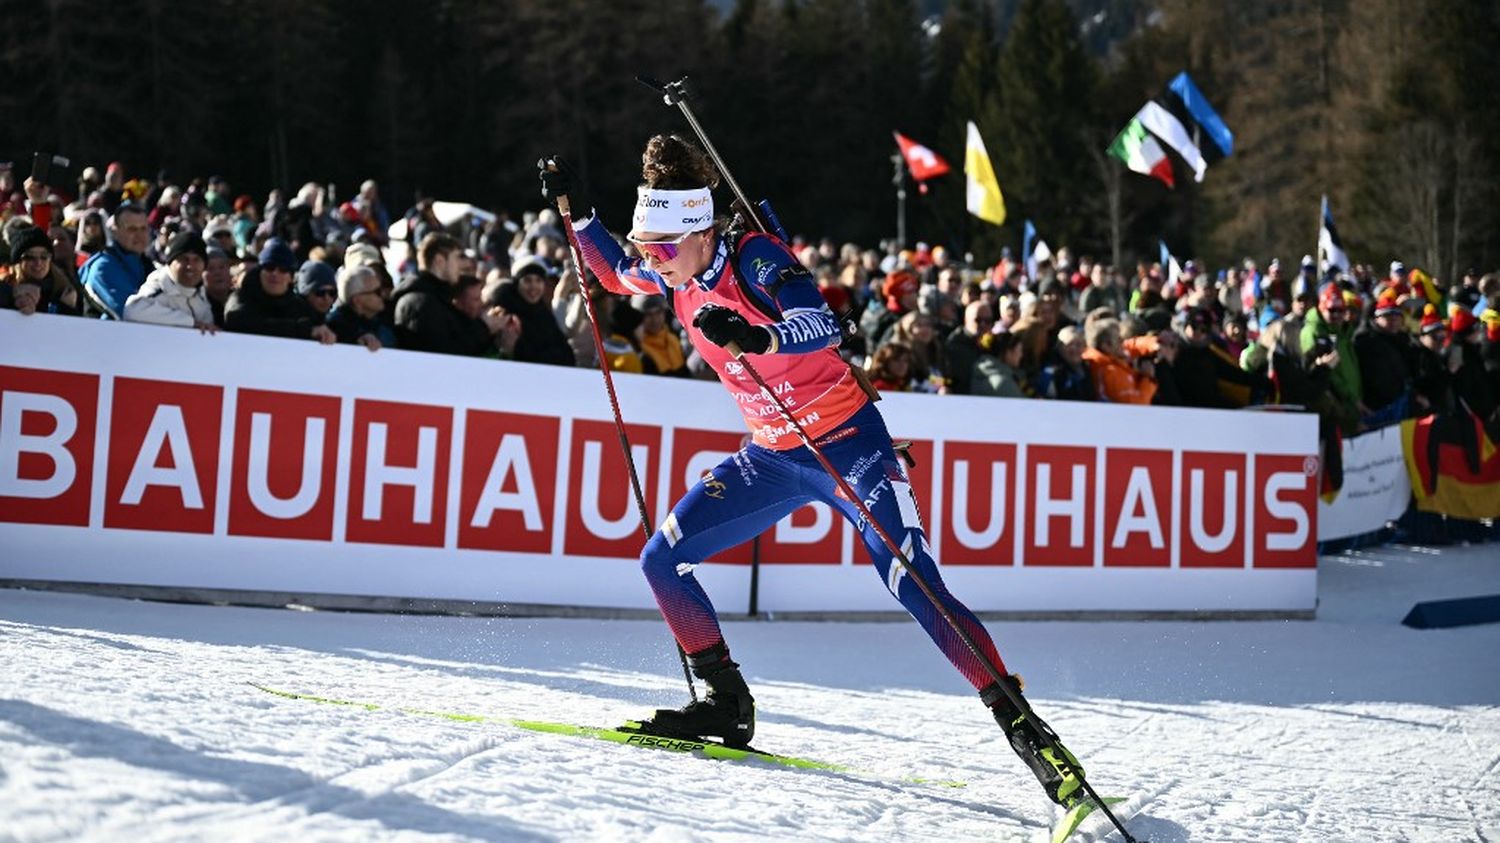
column 1075, row 816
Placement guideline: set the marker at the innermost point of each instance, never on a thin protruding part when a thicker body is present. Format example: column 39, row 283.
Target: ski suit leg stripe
column 879, row 478
column 732, row 504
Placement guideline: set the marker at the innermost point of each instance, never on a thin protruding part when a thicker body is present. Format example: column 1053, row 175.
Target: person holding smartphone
column 36, row 285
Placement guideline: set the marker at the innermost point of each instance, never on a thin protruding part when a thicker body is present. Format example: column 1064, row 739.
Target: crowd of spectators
column 1359, row 348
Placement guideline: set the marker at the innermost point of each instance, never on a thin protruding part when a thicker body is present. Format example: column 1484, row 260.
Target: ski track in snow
column 124, row 720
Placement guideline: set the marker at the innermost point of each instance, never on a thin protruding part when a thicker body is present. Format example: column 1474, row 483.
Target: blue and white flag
column 1033, row 255
column 1202, row 113
column 1169, row 265
column 1330, row 248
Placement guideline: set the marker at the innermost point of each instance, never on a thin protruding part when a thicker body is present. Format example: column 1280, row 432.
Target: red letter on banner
column 46, row 445
column 1211, row 531
column 695, row 452
column 285, row 461
column 509, row 482
column 1060, row 500
column 163, row 456
column 1137, row 508
column 398, row 475
column 1286, row 512
column 603, row 519
column 980, row 512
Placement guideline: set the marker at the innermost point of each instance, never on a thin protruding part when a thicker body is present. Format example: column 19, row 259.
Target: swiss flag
column 923, row 162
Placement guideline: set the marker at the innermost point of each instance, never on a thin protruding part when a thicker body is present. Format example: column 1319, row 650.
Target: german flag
column 1453, row 465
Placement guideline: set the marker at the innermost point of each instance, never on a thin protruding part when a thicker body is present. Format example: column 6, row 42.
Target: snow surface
column 131, row 721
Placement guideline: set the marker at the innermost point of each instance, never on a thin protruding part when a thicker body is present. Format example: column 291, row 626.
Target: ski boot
column 727, row 713
column 1026, row 732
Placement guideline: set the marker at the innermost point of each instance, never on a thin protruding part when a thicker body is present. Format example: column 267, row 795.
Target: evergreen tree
column 968, row 54
column 1387, row 106
column 1045, row 105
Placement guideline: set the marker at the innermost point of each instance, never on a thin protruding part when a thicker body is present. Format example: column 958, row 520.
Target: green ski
column 1075, row 816
column 626, row 735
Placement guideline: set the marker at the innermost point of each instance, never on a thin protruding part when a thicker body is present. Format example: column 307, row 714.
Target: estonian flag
column 1190, row 103
column 1169, row 129
column 1330, row 247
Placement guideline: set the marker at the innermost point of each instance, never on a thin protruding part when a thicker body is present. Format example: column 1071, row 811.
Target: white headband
column 672, row 211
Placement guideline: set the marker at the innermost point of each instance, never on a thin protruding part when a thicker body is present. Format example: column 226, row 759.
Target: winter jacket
column 1433, row 381
column 662, row 353
column 1208, row 376
column 251, row 311
column 1111, row 296
column 1061, row 381
column 54, row 293
column 1387, row 364
column 349, row 326
column 1344, row 379
column 1116, row 380
column 542, row 339
column 112, row 276
column 427, row 320
column 963, row 350
column 1472, row 384
column 162, row 301
column 991, row 377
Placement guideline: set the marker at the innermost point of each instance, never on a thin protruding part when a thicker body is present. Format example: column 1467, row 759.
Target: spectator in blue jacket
column 113, row 275
column 356, row 317
column 1064, row 374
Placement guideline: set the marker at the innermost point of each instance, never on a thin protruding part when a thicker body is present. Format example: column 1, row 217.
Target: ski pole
column 898, row 556
column 614, row 402
column 675, row 93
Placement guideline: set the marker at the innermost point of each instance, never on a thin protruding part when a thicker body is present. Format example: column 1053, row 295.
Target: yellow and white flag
column 984, row 199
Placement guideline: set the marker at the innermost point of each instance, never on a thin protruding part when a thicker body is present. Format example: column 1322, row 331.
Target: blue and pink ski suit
column 774, row 474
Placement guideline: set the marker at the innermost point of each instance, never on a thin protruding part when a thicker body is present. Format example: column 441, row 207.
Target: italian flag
column 1141, row 153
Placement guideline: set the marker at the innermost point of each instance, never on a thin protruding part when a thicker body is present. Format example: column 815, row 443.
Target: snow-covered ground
column 130, row 721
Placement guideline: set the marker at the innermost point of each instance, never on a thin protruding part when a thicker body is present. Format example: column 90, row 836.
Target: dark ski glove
column 723, row 326
column 557, row 180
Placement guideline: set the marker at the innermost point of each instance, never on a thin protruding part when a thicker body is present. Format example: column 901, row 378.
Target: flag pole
column 899, row 180
column 1318, row 248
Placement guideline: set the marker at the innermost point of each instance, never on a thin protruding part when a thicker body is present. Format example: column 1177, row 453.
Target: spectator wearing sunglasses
column 35, row 284
column 356, row 318
column 962, row 344
column 317, row 284
column 266, row 304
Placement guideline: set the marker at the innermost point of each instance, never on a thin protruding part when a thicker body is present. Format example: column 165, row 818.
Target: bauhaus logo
column 204, row 458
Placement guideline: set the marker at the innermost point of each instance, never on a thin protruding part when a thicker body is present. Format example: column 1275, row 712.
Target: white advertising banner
column 141, row 455
column 1376, row 486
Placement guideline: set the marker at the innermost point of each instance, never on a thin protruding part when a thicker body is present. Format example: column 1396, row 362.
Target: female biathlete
column 749, row 290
